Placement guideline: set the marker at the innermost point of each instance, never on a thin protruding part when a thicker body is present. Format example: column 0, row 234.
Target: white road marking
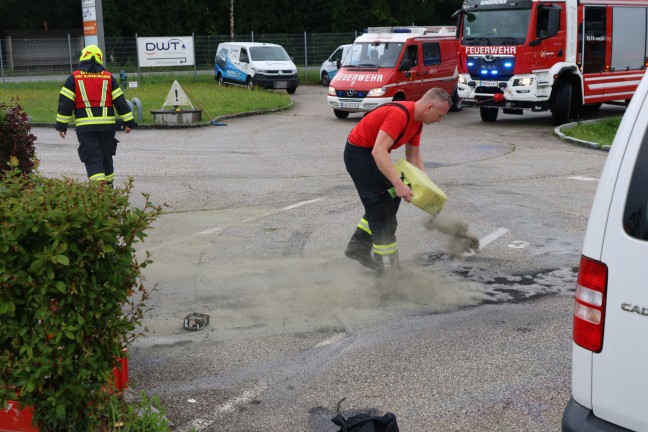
column 499, row 232
column 228, row 407
column 583, row 178
column 216, row 230
column 484, row 241
column 333, row 339
column 519, row 244
column 299, row 204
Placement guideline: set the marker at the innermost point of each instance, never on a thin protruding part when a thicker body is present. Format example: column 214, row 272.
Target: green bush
column 147, row 415
column 72, row 294
column 16, row 141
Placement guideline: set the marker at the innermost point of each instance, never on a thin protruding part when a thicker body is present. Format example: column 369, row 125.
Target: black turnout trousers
column 96, row 151
column 372, row 185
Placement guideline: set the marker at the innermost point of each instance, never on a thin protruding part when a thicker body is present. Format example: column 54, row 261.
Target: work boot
column 394, row 264
column 360, row 251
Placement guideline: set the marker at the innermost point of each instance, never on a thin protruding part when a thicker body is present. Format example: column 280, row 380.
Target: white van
column 610, row 333
column 331, row 65
column 255, row 64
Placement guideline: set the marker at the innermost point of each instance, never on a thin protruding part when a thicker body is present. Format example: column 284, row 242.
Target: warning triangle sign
column 177, row 97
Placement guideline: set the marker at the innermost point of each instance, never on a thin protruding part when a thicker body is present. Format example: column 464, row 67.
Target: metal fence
column 52, row 56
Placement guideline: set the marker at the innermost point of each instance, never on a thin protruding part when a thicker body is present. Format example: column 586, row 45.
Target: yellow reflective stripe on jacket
column 117, row 92
column 104, row 88
column 364, row 226
column 127, row 117
column 84, row 94
column 63, row 118
column 385, row 249
column 68, row 93
column 84, row 97
column 95, row 120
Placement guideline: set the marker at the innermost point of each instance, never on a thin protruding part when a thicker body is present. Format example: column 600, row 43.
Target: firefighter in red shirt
column 92, row 94
column 367, row 159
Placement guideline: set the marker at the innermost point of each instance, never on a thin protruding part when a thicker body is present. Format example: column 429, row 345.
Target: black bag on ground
column 366, row 423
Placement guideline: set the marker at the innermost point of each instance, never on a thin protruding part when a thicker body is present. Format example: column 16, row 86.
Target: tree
column 210, row 17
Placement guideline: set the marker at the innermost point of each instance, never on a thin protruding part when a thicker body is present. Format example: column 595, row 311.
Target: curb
column 192, row 125
column 577, row 141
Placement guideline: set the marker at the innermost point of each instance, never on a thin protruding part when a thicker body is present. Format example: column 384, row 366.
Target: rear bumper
column 577, row 418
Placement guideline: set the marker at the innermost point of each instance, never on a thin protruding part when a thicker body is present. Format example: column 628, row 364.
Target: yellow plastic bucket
column 425, row 194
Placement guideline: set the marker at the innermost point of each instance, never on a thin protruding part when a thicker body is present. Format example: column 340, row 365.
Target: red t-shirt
column 393, row 121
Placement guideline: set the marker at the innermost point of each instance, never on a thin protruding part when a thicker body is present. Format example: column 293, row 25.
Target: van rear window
column 635, row 215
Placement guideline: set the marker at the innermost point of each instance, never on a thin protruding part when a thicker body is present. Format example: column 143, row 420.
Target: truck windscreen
column 495, row 27
column 374, row 54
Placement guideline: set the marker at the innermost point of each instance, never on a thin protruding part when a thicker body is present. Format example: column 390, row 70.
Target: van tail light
column 589, row 307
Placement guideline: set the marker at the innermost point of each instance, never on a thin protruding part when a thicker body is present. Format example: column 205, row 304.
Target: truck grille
column 351, row 94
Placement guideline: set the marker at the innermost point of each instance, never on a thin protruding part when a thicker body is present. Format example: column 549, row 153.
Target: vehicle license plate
column 349, row 105
column 281, row 84
column 489, row 83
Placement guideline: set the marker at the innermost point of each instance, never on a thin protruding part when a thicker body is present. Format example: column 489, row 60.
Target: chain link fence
column 60, row 56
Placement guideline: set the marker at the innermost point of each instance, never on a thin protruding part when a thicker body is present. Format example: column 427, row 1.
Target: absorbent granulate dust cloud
column 461, row 240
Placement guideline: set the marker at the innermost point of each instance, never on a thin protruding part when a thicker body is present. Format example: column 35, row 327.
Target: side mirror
column 406, row 65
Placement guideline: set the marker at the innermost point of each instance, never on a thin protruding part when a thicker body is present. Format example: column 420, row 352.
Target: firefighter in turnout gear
column 367, row 159
column 92, row 94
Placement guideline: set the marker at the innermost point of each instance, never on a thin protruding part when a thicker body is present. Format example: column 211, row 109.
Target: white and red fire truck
column 564, row 56
column 395, row 63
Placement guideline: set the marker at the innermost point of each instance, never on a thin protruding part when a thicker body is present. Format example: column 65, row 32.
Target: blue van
column 252, row 64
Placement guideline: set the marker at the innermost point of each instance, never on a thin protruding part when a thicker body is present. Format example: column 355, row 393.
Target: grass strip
column 601, row 132
column 40, row 99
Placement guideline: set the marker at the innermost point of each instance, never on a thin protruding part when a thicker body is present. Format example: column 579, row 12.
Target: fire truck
column 395, row 63
column 564, row 56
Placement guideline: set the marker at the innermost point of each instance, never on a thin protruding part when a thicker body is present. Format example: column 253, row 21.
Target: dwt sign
column 165, row 51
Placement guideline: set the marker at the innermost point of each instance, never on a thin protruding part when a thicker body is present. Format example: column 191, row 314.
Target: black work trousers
column 96, row 151
column 380, row 208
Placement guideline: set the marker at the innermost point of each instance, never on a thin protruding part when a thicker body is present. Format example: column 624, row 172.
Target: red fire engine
column 395, row 63
column 564, row 56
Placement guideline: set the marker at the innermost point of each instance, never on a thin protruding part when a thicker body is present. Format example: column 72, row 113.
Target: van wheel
column 457, row 102
column 249, row 83
column 488, row 114
column 340, row 114
column 325, row 80
column 562, row 103
column 220, row 80
column 291, row 90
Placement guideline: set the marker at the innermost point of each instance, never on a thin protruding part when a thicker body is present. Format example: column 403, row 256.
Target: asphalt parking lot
column 258, row 214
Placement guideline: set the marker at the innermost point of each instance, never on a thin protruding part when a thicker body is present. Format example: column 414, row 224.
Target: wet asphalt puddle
column 509, row 288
